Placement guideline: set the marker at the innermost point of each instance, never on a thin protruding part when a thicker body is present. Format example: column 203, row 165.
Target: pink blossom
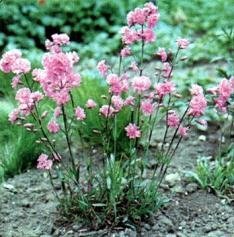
column 15, row 81
column 57, row 78
column 53, row 126
column 147, row 107
column 129, row 101
column 60, row 39
column 57, row 111
column 125, row 52
column 129, row 36
column 196, row 90
column 14, row 115
column 225, row 89
column 197, row 105
column 21, row 65
column 182, row 43
column 148, row 35
column 117, row 102
column 173, row 119
column 107, row 111
column 102, row 67
column 90, row 104
column 136, row 17
column 165, row 88
column 117, row 84
column 163, row 54
column 8, row 59
column 167, row 70
column 183, row 131
column 141, row 83
column 221, row 103
column 44, row 163
column 134, row 66
column 132, row 131
column 80, row 113
column 152, row 20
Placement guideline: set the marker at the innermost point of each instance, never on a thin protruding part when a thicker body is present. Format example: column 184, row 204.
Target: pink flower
column 14, row 115
column 53, row 126
column 129, row 36
column 44, row 163
column 197, row 105
column 163, row 54
column 136, row 17
column 173, row 119
column 167, row 70
column 117, row 84
column 196, row 90
column 15, row 81
column 147, row 107
column 21, row 65
column 57, row 112
column 182, row 43
column 117, row 102
column 141, row 84
column 8, row 59
column 165, row 88
column 148, row 35
column 129, row 101
column 132, row 131
column 107, row 111
column 183, row 131
column 60, row 39
column 134, row 66
column 58, row 78
column 80, row 113
column 125, row 52
column 102, row 67
column 225, row 89
column 90, row 104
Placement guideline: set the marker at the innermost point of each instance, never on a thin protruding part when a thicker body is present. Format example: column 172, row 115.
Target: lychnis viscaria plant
column 115, row 190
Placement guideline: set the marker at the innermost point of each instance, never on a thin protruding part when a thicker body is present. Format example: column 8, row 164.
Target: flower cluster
column 145, row 18
column 198, row 102
column 57, row 77
column 44, row 163
column 224, row 91
column 27, row 101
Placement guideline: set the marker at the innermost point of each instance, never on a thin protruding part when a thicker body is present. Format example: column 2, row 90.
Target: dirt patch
column 28, row 206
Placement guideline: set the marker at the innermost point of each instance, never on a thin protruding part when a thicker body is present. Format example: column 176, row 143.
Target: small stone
column 76, row 227
column 202, row 138
column 192, row 187
column 25, row 203
column 147, row 226
column 172, row 179
column 178, row 189
column 216, row 233
column 166, row 221
column 9, row 187
column 170, row 235
column 231, row 220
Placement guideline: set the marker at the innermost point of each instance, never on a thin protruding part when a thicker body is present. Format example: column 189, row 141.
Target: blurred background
column 93, row 26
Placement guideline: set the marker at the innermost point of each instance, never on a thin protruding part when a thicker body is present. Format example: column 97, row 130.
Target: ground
column 28, row 207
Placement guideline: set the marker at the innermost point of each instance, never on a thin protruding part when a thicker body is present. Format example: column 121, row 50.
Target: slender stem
column 167, row 127
column 69, row 144
column 175, row 133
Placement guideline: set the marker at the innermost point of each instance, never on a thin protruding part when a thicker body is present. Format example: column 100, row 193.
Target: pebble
column 192, row 187
column 202, row 138
column 172, row 179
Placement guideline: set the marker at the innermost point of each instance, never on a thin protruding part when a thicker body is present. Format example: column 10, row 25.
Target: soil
column 28, row 206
